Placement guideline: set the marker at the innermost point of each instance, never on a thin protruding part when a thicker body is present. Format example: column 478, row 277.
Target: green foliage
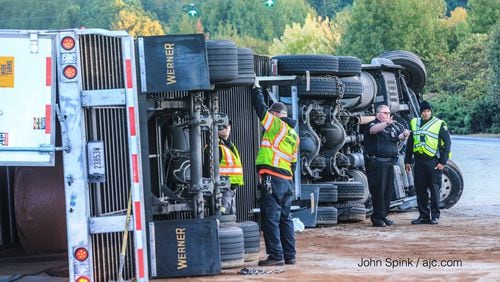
column 252, row 18
column 484, row 14
column 453, row 4
column 329, row 8
column 378, row 26
column 461, row 80
column 485, row 117
column 453, row 72
column 314, row 37
column 32, row 14
column 493, row 54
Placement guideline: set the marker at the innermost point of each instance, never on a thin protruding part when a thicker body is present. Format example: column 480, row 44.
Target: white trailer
column 85, row 81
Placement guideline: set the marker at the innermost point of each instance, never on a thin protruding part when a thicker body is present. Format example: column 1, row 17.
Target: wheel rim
column 445, row 189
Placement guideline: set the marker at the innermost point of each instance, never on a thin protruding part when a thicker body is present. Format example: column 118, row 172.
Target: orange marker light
column 81, row 254
column 69, row 72
column 68, row 43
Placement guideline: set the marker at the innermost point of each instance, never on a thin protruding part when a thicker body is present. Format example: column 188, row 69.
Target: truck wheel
column 414, row 72
column 349, row 66
column 246, row 72
column 369, row 86
column 360, row 176
column 451, row 187
column 350, row 191
column 353, row 86
column 251, row 234
column 315, row 64
column 319, row 87
column 232, row 251
column 351, row 212
column 328, row 194
column 326, row 216
column 222, row 60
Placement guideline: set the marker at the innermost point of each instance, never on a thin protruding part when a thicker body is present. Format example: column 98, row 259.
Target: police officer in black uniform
column 381, row 154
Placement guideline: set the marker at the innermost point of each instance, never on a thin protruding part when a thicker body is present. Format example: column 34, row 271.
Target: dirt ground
column 464, row 246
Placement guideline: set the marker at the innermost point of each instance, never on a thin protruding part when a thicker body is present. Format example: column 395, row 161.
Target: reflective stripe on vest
column 279, row 144
column 430, row 132
column 230, row 165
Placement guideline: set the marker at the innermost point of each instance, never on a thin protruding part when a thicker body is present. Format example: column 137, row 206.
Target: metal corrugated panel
column 102, row 68
column 101, row 62
column 245, row 132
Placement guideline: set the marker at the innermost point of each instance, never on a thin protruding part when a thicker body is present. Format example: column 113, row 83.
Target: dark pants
column 381, row 184
column 277, row 225
column 428, row 183
column 228, row 201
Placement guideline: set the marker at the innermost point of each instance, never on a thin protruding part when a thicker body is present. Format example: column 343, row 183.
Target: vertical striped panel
column 102, row 68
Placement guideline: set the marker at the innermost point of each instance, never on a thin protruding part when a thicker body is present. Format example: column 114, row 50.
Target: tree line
column 458, row 40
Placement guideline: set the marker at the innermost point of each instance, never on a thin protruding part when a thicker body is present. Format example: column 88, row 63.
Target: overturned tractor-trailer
column 109, row 147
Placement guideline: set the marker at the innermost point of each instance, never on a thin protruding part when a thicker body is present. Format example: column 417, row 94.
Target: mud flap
column 182, row 248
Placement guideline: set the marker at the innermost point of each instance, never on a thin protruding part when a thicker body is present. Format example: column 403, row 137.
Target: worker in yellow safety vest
column 229, row 166
column 430, row 145
column 275, row 164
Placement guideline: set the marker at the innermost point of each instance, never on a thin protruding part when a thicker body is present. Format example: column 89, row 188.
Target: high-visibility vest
column 279, row 144
column 230, row 164
column 429, row 132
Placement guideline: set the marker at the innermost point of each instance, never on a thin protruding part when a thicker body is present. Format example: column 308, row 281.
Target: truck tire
column 353, row 87
column 232, row 251
column 315, row 64
column 452, row 185
column 328, row 194
column 414, row 72
column 351, row 212
column 246, row 72
column 349, row 66
column 370, row 89
column 222, row 60
column 251, row 234
column 360, row 176
column 326, row 216
column 319, row 87
column 350, row 191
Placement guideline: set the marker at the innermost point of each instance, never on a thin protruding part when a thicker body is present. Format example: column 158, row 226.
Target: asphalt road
column 479, row 161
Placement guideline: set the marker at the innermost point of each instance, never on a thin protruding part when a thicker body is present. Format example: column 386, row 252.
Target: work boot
column 434, row 221
column 271, row 262
column 420, row 221
column 387, row 221
column 378, row 223
column 290, row 261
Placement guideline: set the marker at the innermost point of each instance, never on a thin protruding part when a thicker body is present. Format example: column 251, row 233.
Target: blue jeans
column 275, row 219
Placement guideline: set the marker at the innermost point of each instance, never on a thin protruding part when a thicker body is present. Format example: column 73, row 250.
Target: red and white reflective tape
column 48, row 89
column 136, row 171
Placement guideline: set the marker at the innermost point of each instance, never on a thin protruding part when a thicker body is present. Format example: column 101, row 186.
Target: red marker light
column 68, row 43
column 81, row 254
column 70, row 72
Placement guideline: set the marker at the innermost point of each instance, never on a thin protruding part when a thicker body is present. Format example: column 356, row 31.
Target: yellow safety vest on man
column 230, row 164
column 279, row 145
column 429, row 132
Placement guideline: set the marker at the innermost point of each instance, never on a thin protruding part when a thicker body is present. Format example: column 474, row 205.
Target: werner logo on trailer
column 173, row 63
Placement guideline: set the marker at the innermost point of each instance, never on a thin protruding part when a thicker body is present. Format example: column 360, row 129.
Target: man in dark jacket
column 275, row 164
column 430, row 145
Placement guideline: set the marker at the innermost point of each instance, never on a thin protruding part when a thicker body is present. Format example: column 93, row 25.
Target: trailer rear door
column 27, row 98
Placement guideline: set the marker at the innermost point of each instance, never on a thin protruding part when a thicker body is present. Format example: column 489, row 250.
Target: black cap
column 278, row 107
column 425, row 106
